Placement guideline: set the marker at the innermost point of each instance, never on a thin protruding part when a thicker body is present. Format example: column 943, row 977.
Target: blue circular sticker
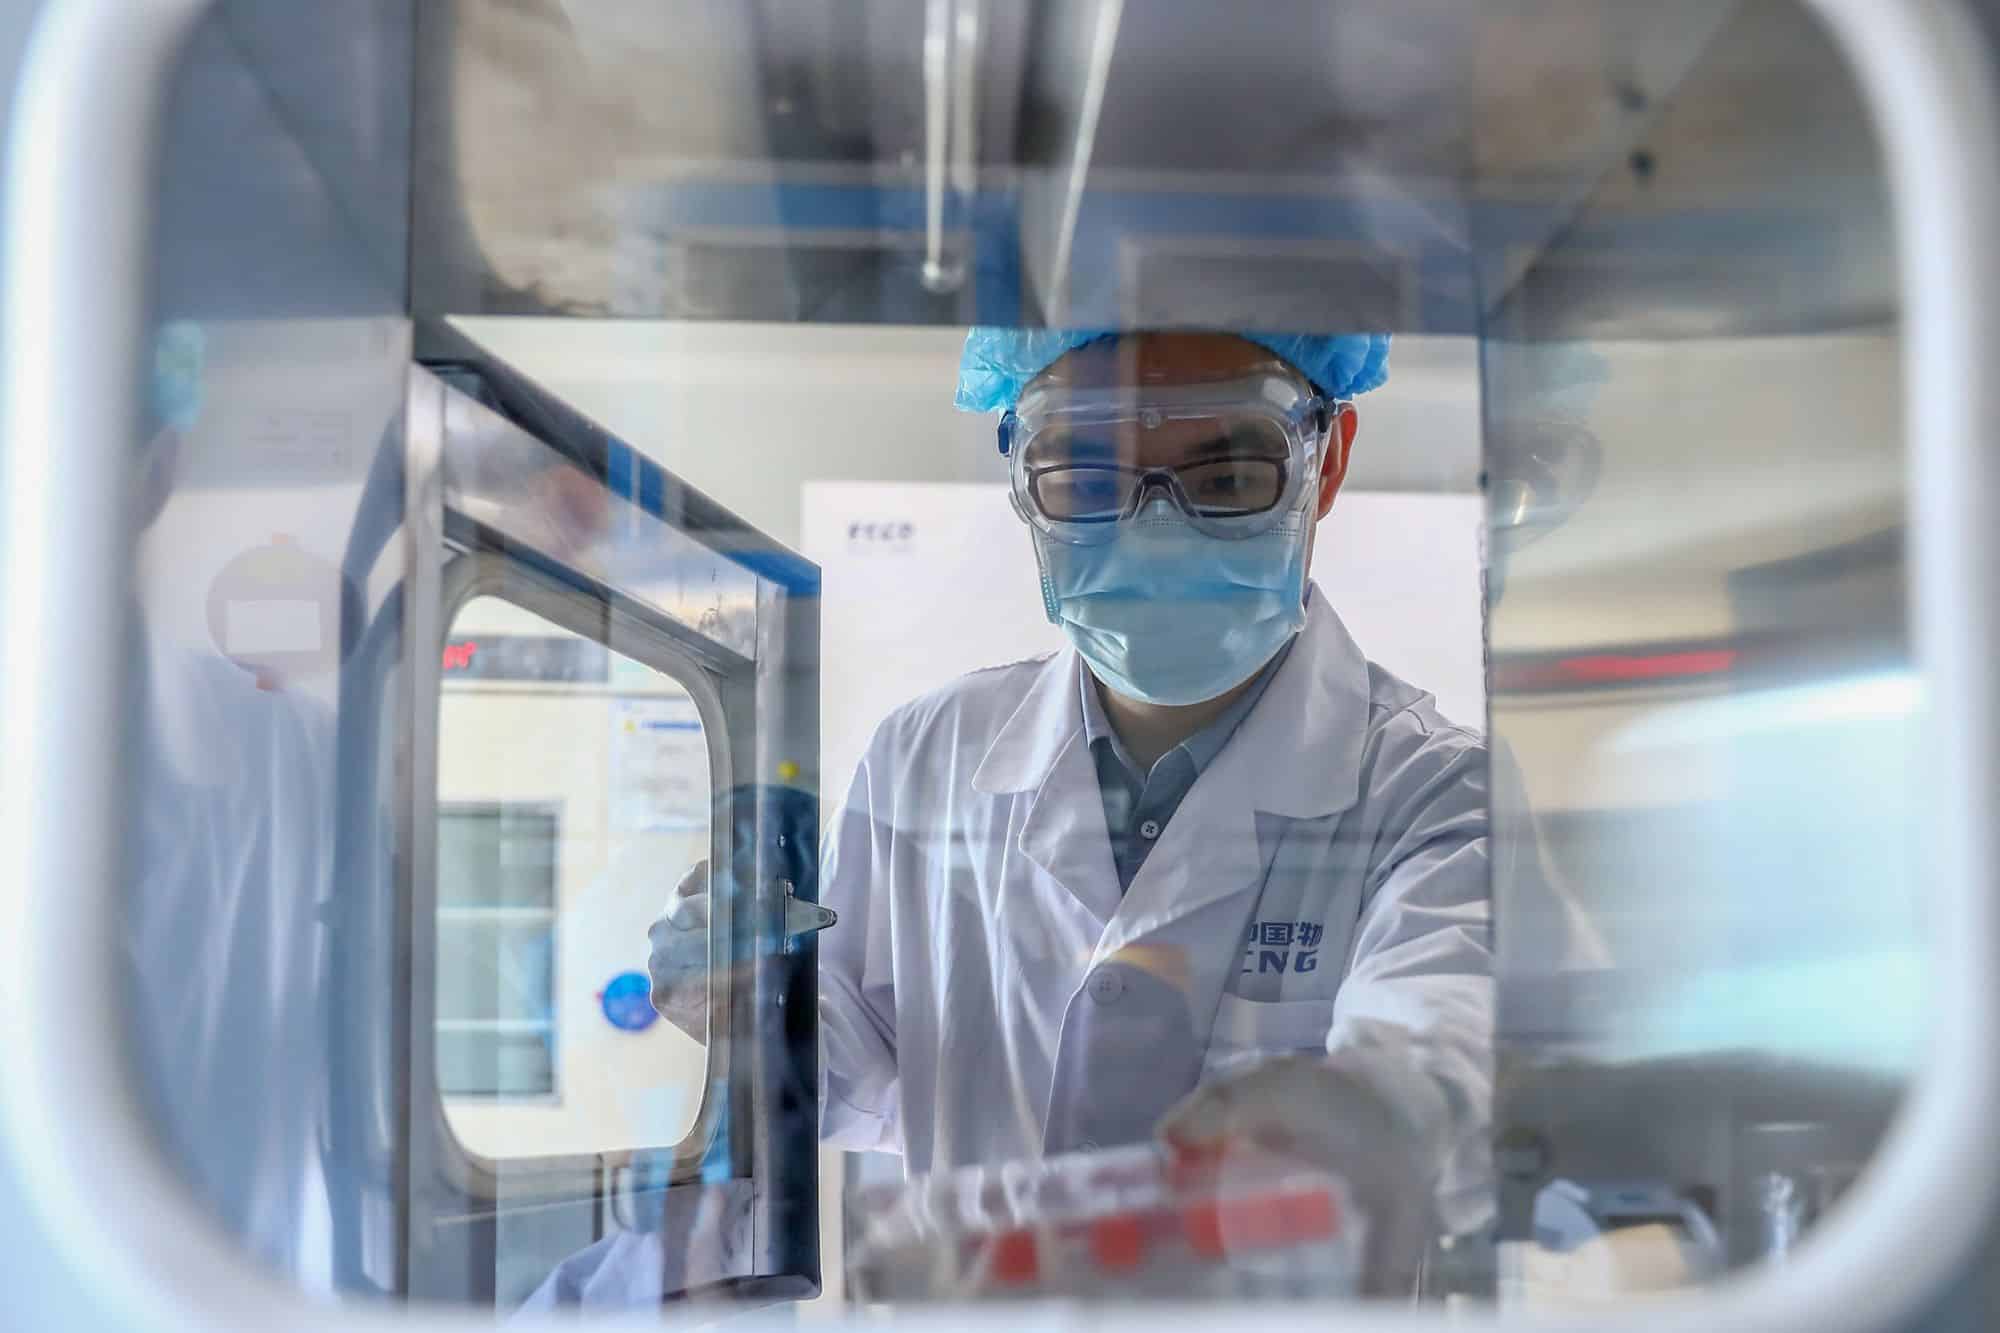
column 628, row 1002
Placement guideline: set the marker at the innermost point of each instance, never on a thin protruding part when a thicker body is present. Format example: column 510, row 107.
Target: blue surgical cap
column 998, row 363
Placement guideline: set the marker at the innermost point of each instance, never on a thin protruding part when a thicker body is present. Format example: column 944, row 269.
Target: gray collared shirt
column 1136, row 809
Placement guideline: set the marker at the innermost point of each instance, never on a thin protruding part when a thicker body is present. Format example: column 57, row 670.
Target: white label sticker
column 270, row 626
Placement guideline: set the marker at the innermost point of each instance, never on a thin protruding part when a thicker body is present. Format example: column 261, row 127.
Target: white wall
column 562, row 744
column 749, row 413
column 760, row 415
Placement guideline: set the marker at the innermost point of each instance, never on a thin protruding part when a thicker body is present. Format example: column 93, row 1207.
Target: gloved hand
column 1363, row 1115
column 679, row 962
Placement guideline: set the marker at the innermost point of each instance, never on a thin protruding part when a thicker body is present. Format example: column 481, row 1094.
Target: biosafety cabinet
column 364, row 697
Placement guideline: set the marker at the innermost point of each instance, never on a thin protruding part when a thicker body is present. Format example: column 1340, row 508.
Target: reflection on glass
column 573, row 789
column 494, row 971
column 493, row 1060
column 1702, row 667
column 496, row 856
column 496, row 918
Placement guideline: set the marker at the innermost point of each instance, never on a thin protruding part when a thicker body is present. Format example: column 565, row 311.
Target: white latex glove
column 679, row 962
column 1364, row 1116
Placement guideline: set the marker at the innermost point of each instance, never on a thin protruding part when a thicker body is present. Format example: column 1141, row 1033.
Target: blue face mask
column 1166, row 613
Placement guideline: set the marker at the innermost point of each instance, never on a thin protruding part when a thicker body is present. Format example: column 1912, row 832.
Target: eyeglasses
column 1233, row 457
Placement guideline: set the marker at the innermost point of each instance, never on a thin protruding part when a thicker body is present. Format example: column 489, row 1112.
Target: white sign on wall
column 920, row 583
column 659, row 766
column 923, row 582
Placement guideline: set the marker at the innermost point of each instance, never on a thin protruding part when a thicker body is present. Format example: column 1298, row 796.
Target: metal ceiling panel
column 940, row 161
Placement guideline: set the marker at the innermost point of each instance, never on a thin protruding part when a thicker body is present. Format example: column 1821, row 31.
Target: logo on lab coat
column 1283, row 946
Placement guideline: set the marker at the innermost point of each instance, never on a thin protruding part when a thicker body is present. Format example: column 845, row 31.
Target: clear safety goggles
column 1236, row 457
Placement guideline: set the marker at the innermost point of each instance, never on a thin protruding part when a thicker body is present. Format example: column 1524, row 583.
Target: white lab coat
column 989, row 993
column 233, row 856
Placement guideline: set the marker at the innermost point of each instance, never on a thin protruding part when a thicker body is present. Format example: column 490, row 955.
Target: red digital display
column 1664, row 665
column 1604, row 667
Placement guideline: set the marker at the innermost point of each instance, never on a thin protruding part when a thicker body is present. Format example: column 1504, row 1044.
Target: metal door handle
column 802, row 917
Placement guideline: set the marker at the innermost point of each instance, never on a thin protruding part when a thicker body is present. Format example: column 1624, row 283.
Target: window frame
column 465, row 577
column 78, row 206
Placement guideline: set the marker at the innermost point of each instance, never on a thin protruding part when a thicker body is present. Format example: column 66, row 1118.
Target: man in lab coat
column 1207, row 872
column 231, row 778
